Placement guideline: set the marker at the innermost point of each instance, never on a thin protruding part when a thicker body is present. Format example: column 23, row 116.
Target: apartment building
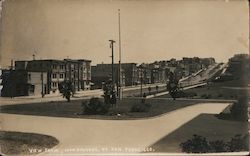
column 78, row 72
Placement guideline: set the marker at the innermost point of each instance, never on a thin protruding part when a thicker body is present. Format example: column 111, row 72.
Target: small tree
column 109, row 94
column 157, row 88
column 172, row 85
column 66, row 89
column 149, row 90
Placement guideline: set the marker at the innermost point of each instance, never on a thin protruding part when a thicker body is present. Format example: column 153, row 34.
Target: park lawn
column 230, row 90
column 17, row 143
column 73, row 109
column 206, row 125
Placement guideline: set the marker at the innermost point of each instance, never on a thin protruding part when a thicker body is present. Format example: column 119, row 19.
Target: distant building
column 102, row 73
column 78, row 72
column 1, row 85
column 23, row 83
column 145, row 74
column 131, row 74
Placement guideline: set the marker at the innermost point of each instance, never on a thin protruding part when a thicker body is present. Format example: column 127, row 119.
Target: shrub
column 94, row 106
column 197, row 144
column 238, row 143
column 140, row 107
column 218, row 146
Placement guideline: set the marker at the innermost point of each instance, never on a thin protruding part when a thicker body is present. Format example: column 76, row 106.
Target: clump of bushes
column 140, row 107
column 94, row 107
column 199, row 144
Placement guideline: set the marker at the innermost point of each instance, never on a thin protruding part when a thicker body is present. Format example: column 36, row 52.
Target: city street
column 107, row 135
column 129, row 91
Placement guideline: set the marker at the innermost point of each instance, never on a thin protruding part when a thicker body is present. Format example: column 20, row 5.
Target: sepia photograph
column 124, row 77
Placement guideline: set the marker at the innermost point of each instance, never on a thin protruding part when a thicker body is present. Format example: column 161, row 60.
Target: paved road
column 113, row 136
column 128, row 91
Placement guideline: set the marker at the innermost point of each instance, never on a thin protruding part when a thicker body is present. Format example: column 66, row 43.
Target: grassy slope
column 219, row 90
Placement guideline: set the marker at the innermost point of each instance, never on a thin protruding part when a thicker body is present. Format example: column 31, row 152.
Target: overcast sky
column 151, row 30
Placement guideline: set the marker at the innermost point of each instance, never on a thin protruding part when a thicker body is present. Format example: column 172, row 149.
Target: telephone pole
column 119, row 87
column 112, row 50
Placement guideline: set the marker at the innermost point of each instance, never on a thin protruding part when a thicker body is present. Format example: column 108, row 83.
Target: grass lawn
column 218, row 90
column 206, row 125
column 17, row 143
column 73, row 109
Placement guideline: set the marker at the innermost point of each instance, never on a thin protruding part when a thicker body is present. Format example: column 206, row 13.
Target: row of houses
column 156, row 72
column 36, row 77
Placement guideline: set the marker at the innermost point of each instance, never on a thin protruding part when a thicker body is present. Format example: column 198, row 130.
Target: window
column 54, row 84
column 53, row 75
column 61, row 76
column 31, row 89
column 61, row 66
column 29, row 77
column 54, row 66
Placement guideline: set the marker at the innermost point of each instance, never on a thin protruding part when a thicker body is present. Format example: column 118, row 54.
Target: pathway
column 114, row 136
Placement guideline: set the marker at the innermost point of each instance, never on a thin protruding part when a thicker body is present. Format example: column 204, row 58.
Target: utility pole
column 112, row 50
column 12, row 79
column 119, row 88
column 141, row 80
column 42, row 85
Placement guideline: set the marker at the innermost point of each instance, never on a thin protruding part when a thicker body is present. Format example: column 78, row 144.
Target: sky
column 151, row 30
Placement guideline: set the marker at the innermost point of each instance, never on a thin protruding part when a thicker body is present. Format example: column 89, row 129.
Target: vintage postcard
column 124, row 77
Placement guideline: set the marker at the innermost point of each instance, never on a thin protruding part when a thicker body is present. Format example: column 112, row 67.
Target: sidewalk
column 85, row 133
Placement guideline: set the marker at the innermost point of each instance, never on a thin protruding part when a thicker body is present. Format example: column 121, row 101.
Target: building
column 145, row 74
column 1, row 85
column 131, row 74
column 102, row 73
column 78, row 72
column 23, row 83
